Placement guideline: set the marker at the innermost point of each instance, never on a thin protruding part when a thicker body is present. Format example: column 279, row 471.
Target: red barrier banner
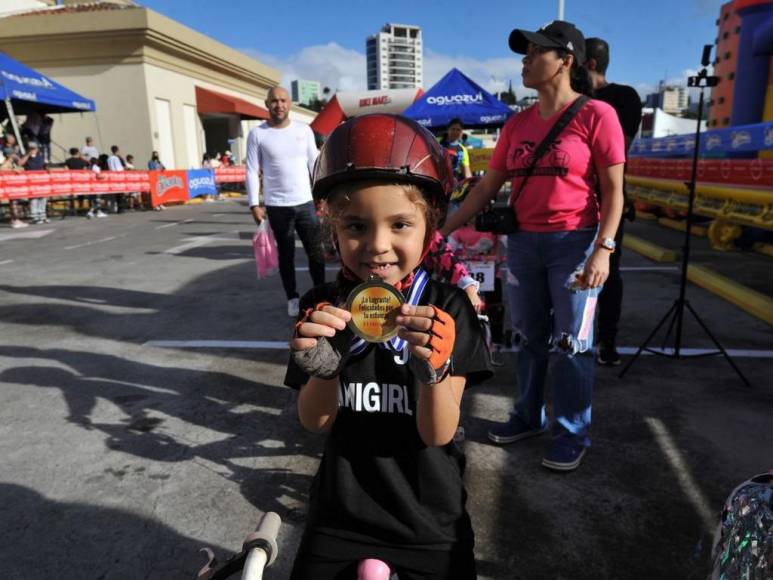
column 235, row 174
column 80, row 181
column 61, row 183
column 116, row 181
column 172, row 185
column 752, row 172
column 99, row 184
column 168, row 186
column 16, row 185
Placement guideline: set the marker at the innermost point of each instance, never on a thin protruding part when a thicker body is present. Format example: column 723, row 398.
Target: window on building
column 725, row 35
column 737, row 29
column 726, row 16
column 726, row 121
column 727, row 55
column 721, row 100
column 730, row 76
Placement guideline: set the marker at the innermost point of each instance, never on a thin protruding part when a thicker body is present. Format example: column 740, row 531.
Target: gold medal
column 374, row 306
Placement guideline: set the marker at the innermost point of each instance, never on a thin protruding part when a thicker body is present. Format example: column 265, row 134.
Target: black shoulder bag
column 501, row 219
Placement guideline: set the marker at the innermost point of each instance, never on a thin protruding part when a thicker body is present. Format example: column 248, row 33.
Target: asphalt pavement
column 142, row 415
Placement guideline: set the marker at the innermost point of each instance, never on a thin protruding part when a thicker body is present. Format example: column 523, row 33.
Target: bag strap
column 554, row 132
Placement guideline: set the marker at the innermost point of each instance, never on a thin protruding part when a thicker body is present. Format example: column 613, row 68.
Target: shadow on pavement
column 258, row 419
column 46, row 538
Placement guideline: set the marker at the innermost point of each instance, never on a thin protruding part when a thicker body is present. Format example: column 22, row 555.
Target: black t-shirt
column 378, row 482
column 76, row 163
column 626, row 102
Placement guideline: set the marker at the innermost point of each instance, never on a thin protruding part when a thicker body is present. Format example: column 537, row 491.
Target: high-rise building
column 673, row 100
column 394, row 58
column 304, row 92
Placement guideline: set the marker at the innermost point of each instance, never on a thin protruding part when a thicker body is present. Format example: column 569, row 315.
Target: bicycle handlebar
column 265, row 536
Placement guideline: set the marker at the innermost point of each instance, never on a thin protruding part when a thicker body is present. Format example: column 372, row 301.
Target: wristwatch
column 606, row 243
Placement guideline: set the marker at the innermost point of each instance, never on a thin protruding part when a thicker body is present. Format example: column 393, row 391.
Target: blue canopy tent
column 25, row 90
column 457, row 96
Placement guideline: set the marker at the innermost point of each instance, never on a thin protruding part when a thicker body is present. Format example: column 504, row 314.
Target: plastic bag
column 264, row 244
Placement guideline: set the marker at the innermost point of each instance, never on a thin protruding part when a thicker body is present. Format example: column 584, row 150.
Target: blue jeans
column 553, row 319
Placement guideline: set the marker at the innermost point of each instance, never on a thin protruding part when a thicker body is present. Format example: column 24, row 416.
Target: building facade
column 673, row 100
column 157, row 84
column 395, row 58
column 304, row 92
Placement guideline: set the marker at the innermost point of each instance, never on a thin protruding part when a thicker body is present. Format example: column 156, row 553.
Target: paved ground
column 120, row 459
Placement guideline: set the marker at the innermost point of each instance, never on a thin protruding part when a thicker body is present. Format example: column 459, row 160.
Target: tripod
column 676, row 312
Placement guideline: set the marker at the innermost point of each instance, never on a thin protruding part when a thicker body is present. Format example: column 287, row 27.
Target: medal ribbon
column 415, row 292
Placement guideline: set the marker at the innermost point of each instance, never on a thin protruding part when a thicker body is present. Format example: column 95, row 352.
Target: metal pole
column 560, row 9
column 14, row 124
column 688, row 227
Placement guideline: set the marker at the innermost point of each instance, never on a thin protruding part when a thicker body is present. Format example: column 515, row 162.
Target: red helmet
column 384, row 146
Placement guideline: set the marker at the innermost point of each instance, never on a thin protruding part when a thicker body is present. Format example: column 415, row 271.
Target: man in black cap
column 627, row 104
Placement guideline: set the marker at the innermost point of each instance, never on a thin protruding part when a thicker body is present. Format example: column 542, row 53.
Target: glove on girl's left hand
column 430, row 334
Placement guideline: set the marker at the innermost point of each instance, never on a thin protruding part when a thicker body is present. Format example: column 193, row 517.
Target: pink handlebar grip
column 372, row 569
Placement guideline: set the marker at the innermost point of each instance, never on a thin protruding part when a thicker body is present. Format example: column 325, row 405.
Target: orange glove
column 441, row 342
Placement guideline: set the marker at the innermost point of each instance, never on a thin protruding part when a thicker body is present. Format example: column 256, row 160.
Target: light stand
column 676, row 312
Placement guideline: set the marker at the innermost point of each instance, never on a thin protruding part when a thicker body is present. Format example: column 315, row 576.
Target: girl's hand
column 596, row 269
column 472, row 294
column 430, row 334
column 325, row 320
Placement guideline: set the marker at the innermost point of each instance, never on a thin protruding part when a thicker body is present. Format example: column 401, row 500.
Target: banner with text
column 168, row 187
column 201, row 182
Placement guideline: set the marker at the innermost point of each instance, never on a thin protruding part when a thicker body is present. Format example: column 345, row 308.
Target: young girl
column 390, row 482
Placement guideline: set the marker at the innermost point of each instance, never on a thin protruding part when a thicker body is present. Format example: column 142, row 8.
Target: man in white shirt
column 88, row 151
column 284, row 152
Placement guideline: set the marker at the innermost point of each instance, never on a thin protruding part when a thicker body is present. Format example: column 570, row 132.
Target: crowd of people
column 36, row 138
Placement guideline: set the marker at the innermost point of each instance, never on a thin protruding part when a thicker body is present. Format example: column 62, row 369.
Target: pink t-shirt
column 560, row 195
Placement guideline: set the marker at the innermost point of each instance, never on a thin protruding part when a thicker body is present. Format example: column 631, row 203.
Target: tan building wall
column 122, row 116
column 126, row 60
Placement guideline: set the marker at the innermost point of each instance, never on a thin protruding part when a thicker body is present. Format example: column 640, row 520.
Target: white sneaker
column 19, row 224
column 292, row 307
column 90, row 214
column 100, row 214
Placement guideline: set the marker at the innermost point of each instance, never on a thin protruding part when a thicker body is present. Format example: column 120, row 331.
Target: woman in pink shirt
column 567, row 212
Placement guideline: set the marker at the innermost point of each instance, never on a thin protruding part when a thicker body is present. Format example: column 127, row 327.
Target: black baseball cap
column 555, row 34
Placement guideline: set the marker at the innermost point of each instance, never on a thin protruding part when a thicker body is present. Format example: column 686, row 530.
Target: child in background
column 472, row 245
column 390, row 482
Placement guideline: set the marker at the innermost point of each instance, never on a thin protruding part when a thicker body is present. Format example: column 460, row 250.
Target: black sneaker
column 607, row 355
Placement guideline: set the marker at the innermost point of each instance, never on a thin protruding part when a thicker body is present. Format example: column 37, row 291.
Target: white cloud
column 331, row 64
column 343, row 69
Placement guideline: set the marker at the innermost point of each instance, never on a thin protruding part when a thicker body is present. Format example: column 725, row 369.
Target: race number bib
column 483, row 272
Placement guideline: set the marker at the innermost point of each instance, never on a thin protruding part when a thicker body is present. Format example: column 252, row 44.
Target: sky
column 325, row 40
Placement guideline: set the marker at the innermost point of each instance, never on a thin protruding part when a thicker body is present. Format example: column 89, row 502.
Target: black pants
column 611, row 297
column 285, row 221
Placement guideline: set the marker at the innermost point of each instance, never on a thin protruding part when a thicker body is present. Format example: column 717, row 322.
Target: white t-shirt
column 90, row 152
column 286, row 157
column 114, row 163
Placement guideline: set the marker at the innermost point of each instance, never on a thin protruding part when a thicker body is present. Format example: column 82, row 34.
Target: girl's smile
column 381, row 231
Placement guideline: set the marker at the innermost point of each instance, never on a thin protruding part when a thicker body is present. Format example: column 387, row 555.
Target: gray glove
column 327, row 358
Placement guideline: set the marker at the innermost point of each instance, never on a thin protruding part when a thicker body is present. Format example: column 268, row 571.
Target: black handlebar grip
column 265, row 536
